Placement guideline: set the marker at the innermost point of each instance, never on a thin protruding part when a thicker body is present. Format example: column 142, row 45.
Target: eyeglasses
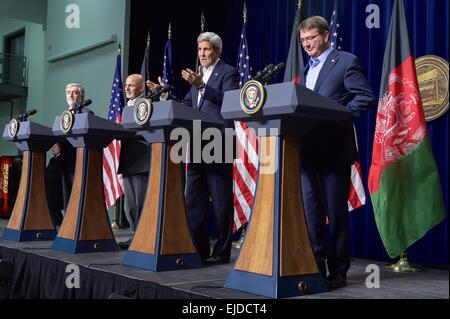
column 309, row 39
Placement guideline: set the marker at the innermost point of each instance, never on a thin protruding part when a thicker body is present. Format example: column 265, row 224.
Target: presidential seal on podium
column 142, row 111
column 13, row 128
column 66, row 122
column 252, row 97
column 432, row 75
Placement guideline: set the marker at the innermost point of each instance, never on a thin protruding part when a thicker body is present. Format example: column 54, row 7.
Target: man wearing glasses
column 328, row 151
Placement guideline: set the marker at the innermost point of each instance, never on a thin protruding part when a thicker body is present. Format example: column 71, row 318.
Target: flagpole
column 115, row 224
column 238, row 244
column 403, row 265
column 202, row 23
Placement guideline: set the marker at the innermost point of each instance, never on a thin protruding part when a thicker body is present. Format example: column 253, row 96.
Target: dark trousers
column 215, row 181
column 325, row 193
column 135, row 188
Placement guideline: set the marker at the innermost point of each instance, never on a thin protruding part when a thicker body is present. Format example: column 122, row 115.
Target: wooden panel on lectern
column 94, row 201
column 256, row 254
column 68, row 226
column 144, row 241
column 175, row 214
column 16, row 216
column 296, row 256
column 38, row 216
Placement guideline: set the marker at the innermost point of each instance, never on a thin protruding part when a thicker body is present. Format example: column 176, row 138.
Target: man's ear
column 326, row 34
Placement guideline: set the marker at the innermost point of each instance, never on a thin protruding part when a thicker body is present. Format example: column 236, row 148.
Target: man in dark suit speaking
column 328, row 150
column 213, row 180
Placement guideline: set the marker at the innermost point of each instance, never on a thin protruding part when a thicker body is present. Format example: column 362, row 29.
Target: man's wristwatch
column 202, row 86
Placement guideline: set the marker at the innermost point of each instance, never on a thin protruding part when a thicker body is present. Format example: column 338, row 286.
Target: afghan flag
column 403, row 180
column 294, row 63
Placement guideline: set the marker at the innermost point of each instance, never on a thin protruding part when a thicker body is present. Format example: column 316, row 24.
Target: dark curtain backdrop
column 268, row 33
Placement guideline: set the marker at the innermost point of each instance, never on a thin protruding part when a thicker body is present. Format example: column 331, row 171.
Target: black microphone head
column 86, row 102
column 167, row 88
column 31, row 112
column 262, row 73
column 268, row 68
column 279, row 66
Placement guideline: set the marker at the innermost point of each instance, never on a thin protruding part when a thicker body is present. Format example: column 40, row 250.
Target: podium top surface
column 30, row 131
column 90, row 124
column 286, row 100
column 168, row 114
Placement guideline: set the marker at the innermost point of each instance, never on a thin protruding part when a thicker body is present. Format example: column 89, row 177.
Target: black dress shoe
column 337, row 281
column 216, row 260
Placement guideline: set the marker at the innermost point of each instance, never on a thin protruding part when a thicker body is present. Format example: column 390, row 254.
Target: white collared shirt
column 315, row 65
column 206, row 75
column 131, row 102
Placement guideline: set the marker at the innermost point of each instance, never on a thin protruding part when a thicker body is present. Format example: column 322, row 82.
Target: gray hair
column 82, row 92
column 315, row 22
column 211, row 37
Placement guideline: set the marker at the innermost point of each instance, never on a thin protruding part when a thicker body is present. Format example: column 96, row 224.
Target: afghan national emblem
column 13, row 128
column 432, row 75
column 252, row 97
column 66, row 122
column 142, row 111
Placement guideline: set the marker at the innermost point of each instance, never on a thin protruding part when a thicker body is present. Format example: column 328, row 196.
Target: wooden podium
column 162, row 240
column 86, row 227
column 276, row 259
column 30, row 219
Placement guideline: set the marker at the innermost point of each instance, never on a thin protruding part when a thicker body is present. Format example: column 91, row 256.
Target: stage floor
column 208, row 282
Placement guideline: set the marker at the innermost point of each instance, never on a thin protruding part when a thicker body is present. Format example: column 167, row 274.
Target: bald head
column 134, row 86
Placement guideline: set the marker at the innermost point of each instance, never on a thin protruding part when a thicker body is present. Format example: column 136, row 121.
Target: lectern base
column 161, row 262
column 84, row 246
column 276, row 287
column 28, row 235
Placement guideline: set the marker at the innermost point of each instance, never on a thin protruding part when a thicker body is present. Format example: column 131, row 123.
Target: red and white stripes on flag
column 112, row 182
column 245, row 173
column 357, row 195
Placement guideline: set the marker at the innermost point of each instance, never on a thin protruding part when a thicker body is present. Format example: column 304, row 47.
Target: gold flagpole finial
column 202, row 23
column 245, row 12
column 148, row 38
column 119, row 49
column 299, row 5
column 169, row 32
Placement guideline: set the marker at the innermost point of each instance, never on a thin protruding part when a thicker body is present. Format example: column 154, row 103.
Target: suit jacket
column 134, row 153
column 341, row 79
column 223, row 78
column 134, row 157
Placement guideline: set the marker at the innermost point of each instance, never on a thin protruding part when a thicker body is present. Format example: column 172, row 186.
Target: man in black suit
column 328, row 150
column 54, row 185
column 205, row 181
column 134, row 159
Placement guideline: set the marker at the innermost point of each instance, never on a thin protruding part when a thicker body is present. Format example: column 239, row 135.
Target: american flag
column 245, row 167
column 112, row 182
column 167, row 70
column 357, row 195
column 335, row 40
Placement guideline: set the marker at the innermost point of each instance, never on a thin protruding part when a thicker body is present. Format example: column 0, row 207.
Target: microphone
column 261, row 73
column 159, row 91
column 77, row 108
column 269, row 75
column 23, row 117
